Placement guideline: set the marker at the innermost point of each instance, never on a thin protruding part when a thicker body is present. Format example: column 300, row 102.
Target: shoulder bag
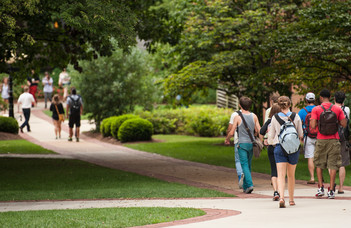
column 257, row 145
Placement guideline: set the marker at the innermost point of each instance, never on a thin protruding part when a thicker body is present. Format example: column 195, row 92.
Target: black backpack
column 344, row 133
column 328, row 122
column 75, row 106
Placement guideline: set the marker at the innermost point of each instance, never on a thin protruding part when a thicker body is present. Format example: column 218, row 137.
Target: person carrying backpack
column 310, row 135
column 327, row 152
column 73, row 112
column 285, row 133
column 339, row 98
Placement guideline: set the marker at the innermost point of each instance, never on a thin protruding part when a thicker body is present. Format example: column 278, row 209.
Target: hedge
column 9, row 125
column 136, row 129
column 117, row 122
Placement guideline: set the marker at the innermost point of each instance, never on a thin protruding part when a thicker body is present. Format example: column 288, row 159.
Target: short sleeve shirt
column 303, row 114
column 231, row 121
column 316, row 112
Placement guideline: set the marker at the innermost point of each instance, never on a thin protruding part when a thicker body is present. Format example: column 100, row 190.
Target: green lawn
column 57, row 179
column 105, row 217
column 83, row 117
column 21, row 147
column 212, row 151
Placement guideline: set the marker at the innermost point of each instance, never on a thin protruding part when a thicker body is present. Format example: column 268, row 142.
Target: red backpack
column 309, row 131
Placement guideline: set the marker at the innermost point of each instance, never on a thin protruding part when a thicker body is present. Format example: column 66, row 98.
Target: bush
column 117, row 122
column 189, row 120
column 105, row 127
column 135, row 130
column 8, row 124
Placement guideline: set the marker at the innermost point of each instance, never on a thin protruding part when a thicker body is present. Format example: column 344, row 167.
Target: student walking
column 239, row 170
column 4, row 89
column 56, row 108
column 33, row 82
column 339, row 98
column 270, row 150
column 244, row 144
column 286, row 163
column 48, row 88
column 26, row 100
column 74, row 111
column 310, row 135
column 327, row 152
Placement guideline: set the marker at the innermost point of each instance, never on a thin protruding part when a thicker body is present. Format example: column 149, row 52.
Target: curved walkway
column 255, row 209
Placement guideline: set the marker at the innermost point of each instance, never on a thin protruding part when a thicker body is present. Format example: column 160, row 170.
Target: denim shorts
column 281, row 156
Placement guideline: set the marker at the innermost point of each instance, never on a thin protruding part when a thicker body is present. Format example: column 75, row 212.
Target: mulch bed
column 9, row 136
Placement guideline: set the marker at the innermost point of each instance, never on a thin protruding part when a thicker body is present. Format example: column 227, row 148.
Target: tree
column 113, row 85
column 315, row 50
column 39, row 34
column 224, row 45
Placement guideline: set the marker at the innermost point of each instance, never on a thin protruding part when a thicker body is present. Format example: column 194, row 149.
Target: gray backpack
column 288, row 137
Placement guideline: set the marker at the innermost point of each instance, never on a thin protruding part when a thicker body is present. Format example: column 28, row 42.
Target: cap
column 310, row 96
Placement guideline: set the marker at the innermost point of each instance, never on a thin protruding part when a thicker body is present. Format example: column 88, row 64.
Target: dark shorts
column 74, row 120
column 327, row 154
column 280, row 156
column 345, row 155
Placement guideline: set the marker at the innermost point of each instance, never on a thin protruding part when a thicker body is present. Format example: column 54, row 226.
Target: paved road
column 255, row 209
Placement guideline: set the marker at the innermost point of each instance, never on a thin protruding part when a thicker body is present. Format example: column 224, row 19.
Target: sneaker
column 331, row 194
column 248, row 190
column 276, row 196
column 320, row 192
column 69, row 139
column 241, row 181
column 77, row 139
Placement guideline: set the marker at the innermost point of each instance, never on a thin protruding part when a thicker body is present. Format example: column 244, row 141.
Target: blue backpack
column 288, row 137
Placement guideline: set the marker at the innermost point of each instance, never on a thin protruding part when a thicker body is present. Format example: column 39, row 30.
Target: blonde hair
column 284, row 102
column 56, row 99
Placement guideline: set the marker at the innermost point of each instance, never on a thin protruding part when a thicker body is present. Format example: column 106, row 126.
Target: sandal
column 292, row 203
column 282, row 203
column 311, row 182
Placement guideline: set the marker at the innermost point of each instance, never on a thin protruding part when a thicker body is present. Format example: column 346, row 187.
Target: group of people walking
column 322, row 130
column 74, row 104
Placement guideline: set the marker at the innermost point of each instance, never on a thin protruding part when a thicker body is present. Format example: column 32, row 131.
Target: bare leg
column 291, row 181
column 281, row 169
column 332, row 174
column 55, row 127
column 311, row 168
column 59, row 128
column 77, row 132
column 70, row 132
column 320, row 177
column 274, row 183
column 342, row 174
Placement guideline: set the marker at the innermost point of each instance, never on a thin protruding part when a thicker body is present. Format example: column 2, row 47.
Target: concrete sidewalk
column 256, row 209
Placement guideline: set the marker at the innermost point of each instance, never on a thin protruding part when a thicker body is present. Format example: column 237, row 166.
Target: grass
column 21, row 147
column 105, row 217
column 57, row 179
column 212, row 151
column 49, row 113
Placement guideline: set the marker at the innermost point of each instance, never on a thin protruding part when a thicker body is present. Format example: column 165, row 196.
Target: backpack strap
column 280, row 121
column 306, row 110
column 246, row 127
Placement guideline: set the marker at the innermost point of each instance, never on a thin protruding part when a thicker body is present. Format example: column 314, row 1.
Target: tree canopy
column 39, row 34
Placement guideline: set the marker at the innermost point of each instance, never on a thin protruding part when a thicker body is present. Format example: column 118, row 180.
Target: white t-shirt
column 64, row 78
column 47, row 87
column 347, row 110
column 26, row 99
column 231, row 121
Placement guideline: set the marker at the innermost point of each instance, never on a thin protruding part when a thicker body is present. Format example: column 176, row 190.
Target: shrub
column 117, row 122
column 204, row 126
column 8, row 124
column 105, row 127
column 135, row 130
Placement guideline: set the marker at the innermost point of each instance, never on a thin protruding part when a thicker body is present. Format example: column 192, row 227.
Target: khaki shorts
column 327, row 154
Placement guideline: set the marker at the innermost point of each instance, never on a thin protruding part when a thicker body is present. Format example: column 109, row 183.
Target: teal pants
column 245, row 155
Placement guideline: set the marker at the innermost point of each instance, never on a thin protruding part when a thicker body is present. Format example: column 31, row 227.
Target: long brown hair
column 274, row 110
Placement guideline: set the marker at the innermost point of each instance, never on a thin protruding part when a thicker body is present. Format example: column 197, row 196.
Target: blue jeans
column 245, row 154
column 26, row 114
column 239, row 170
